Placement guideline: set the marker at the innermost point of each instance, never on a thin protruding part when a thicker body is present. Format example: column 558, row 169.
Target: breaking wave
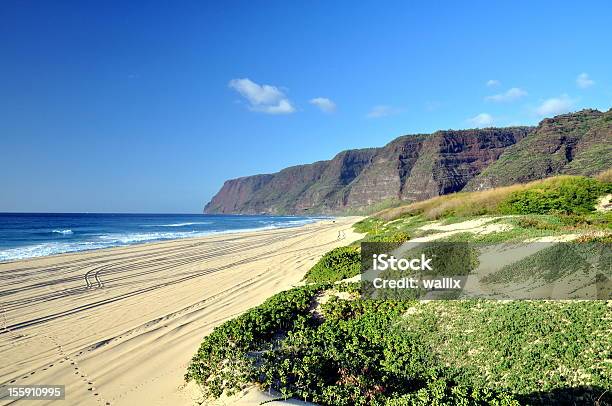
column 91, row 240
column 182, row 224
column 63, row 232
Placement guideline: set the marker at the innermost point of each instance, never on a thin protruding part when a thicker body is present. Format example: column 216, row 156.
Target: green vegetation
column 353, row 351
column 378, row 229
column 566, row 195
column 529, row 348
column 408, row 353
column 225, row 361
column 559, row 194
column 369, row 225
column 393, row 237
column 552, row 263
column 553, row 206
column 374, row 208
column 337, row 264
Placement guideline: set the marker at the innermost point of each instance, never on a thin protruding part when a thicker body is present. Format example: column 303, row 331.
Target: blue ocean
column 26, row 235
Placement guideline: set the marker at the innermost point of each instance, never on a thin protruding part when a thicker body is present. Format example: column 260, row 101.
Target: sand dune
column 119, row 326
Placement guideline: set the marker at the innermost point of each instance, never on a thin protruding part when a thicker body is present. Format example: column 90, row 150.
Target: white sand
column 119, row 326
column 604, row 204
column 480, row 226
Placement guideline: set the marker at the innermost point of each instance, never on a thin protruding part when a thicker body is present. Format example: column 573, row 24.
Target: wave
column 294, row 223
column 63, row 232
column 130, row 238
column 46, row 249
column 180, row 224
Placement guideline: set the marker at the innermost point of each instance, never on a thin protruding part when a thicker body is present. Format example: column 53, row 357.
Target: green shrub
column 596, row 219
column 339, row 362
column 370, row 225
column 395, row 237
column 222, row 363
column 443, row 393
column 567, row 194
column 537, row 223
column 337, row 264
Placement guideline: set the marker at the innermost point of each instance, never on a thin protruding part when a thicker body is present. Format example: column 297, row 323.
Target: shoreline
column 202, row 234
column 120, row 325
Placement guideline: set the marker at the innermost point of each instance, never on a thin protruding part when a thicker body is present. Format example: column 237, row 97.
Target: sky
column 150, row 106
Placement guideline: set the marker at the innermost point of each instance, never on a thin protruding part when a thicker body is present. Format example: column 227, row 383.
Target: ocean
column 27, row 235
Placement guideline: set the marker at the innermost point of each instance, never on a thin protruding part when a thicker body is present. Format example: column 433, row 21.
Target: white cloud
column 262, row 98
column 493, row 82
column 325, row 104
column 481, row 120
column 283, row 107
column 555, row 105
column 583, row 81
column 512, row 94
column 382, row 111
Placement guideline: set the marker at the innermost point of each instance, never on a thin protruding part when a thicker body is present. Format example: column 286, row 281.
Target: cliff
column 575, row 144
column 417, row 167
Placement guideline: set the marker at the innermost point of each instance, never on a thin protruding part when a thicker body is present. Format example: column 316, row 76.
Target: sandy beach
column 119, row 326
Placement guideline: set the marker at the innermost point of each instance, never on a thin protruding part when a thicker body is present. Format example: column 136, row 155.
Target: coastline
column 108, row 239
column 120, row 324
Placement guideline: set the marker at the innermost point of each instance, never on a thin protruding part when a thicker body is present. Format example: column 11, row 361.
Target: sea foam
column 45, row 249
column 63, row 232
column 182, row 224
column 92, row 240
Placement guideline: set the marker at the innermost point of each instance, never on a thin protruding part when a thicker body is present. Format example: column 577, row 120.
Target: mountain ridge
column 421, row 166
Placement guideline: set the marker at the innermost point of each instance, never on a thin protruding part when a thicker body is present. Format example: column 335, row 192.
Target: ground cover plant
column 406, row 352
column 343, row 262
column 353, row 351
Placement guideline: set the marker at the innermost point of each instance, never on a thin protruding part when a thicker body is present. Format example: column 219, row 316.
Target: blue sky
column 149, row 107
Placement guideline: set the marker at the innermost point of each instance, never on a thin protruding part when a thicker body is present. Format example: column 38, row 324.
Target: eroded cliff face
column 295, row 189
column 418, row 167
column 578, row 144
column 412, row 167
